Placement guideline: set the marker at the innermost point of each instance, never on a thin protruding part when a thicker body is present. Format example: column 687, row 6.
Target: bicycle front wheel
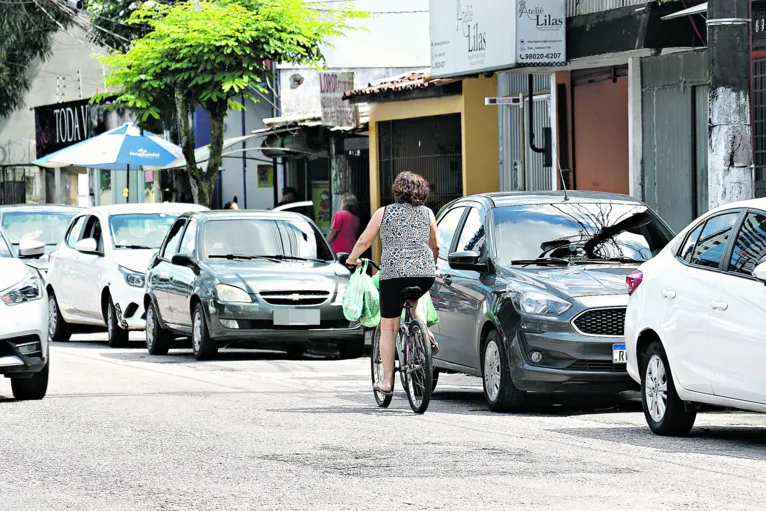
column 376, row 368
column 418, row 367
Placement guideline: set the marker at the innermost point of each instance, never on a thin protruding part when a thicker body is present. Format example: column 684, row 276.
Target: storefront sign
column 475, row 36
column 64, row 124
column 335, row 111
column 320, row 196
column 265, row 176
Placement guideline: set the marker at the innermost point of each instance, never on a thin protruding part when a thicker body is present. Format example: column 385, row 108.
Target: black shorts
column 391, row 301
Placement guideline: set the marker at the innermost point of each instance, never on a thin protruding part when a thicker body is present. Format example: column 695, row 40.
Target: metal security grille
column 759, row 125
column 601, row 322
column 429, row 146
column 13, row 185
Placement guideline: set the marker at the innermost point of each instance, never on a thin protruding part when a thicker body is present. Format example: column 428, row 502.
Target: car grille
column 597, row 365
column 294, row 297
column 601, row 322
column 265, row 324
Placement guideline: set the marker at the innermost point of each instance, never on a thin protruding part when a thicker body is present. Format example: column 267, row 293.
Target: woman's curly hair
column 411, row 188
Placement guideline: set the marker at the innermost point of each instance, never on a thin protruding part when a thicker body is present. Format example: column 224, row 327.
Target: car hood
column 12, row 271
column 263, row 275
column 580, row 280
column 134, row 260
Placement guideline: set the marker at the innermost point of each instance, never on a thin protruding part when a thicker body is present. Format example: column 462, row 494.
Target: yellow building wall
column 479, row 136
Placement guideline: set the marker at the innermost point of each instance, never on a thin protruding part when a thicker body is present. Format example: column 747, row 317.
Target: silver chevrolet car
column 531, row 291
column 254, row 279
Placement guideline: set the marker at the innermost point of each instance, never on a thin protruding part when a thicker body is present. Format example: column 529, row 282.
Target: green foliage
column 26, row 32
column 109, row 25
column 210, row 53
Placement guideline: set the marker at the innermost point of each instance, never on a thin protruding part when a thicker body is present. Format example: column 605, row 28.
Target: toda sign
column 335, row 111
column 476, row 36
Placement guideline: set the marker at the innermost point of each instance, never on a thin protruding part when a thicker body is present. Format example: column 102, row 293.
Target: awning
column 697, row 9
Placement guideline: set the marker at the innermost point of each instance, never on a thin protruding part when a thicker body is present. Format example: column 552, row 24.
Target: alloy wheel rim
column 197, row 335
column 492, row 371
column 656, row 390
column 150, row 327
column 52, row 316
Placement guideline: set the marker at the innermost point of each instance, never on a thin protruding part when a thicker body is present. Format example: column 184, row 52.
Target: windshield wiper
column 541, row 262
column 627, row 260
column 240, row 256
column 295, row 258
column 134, row 247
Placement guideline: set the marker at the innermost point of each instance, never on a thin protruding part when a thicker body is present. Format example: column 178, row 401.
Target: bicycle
column 413, row 350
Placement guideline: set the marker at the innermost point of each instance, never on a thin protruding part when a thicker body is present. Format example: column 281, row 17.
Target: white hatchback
column 695, row 327
column 96, row 275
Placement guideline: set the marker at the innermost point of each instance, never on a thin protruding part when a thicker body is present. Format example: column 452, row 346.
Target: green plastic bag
column 431, row 317
column 371, row 311
column 353, row 297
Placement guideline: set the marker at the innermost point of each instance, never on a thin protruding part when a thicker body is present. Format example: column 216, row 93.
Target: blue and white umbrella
column 123, row 148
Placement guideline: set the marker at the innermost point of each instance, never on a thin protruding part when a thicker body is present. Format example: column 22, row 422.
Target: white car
column 695, row 327
column 96, row 275
column 23, row 322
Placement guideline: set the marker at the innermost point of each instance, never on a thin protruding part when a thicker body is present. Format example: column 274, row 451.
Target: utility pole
column 730, row 156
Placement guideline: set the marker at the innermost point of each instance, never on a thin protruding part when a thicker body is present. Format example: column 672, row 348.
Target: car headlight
column 132, row 278
column 530, row 300
column 341, row 291
column 28, row 290
column 232, row 294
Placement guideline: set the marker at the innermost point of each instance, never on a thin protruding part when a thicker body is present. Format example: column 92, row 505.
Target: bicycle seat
column 412, row 293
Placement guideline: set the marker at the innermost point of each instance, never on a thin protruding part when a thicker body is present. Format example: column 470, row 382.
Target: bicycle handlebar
column 373, row 263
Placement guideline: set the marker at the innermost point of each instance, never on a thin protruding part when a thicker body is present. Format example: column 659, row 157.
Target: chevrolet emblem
column 295, row 297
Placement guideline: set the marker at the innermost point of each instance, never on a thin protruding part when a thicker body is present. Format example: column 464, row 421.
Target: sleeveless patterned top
column 405, row 233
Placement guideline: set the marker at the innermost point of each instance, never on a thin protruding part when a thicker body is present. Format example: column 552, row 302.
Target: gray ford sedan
column 531, row 290
column 249, row 278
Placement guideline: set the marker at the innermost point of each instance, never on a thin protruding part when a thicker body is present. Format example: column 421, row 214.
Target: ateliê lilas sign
column 335, row 111
column 475, row 36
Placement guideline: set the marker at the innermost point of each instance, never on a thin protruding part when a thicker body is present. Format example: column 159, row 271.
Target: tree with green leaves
column 26, row 34
column 211, row 53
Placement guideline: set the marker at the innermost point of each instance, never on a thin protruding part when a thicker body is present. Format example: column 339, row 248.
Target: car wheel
column 118, row 338
column 58, row 329
column 30, row 389
column 296, row 350
column 157, row 338
column 664, row 410
column 203, row 347
column 499, row 391
column 351, row 349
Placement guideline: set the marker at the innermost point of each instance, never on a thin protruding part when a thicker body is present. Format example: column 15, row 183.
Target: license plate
column 297, row 317
column 619, row 354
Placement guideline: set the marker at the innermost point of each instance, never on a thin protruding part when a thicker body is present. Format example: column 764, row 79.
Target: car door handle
column 718, row 305
column 668, row 293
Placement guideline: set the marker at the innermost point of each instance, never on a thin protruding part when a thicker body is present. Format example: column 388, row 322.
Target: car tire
column 665, row 412
column 499, row 391
column 118, row 338
column 157, row 338
column 435, row 380
column 351, row 349
column 58, row 329
column 203, row 347
column 296, row 350
column 31, row 389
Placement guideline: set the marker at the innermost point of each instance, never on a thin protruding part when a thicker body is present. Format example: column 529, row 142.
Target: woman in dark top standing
column 408, row 236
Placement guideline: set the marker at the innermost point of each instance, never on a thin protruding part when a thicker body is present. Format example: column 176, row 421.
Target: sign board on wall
column 335, row 111
column 475, row 36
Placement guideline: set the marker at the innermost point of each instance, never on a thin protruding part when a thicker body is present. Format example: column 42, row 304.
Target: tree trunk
column 187, row 146
column 217, row 113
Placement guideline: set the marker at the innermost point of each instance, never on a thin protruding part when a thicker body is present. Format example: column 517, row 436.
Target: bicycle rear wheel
column 376, row 368
column 418, row 367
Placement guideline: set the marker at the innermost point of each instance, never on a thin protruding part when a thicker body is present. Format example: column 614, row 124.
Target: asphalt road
column 260, row 430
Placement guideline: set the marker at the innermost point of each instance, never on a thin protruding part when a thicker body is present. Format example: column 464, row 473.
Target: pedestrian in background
column 234, row 203
column 344, row 230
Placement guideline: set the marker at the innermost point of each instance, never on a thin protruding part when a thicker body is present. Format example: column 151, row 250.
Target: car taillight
column 634, row 280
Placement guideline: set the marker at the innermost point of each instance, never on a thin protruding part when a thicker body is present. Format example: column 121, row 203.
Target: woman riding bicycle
column 410, row 249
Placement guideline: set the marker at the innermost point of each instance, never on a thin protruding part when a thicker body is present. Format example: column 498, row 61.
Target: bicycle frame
column 403, row 339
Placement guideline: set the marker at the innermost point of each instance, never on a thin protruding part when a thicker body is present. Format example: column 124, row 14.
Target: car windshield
column 140, row 230
column 48, row 227
column 574, row 231
column 255, row 238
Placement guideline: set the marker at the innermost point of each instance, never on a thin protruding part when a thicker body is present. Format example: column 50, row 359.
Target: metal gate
column 13, row 185
column 520, row 167
column 674, row 95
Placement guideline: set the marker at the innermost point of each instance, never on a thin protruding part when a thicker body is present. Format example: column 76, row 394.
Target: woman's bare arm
column 367, row 237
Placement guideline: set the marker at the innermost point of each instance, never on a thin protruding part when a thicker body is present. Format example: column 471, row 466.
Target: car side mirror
column 760, row 272
column 31, row 249
column 183, row 260
column 87, row 246
column 466, row 260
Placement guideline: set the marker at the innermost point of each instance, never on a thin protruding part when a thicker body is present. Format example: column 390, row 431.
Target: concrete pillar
column 635, row 130
column 57, row 186
column 730, row 155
